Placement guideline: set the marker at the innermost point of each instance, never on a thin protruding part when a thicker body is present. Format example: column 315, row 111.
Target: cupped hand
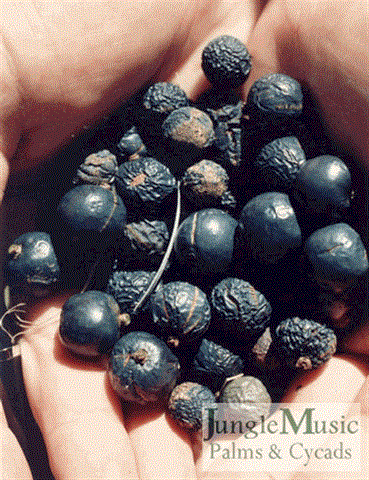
column 86, row 432
column 67, row 64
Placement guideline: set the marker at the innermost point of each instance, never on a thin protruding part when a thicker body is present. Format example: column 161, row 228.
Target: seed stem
column 140, row 356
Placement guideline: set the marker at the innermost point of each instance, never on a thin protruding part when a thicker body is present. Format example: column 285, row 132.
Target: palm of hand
column 74, row 62
column 77, row 62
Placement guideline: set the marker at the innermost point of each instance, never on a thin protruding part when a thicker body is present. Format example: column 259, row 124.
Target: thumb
column 79, row 416
column 324, row 47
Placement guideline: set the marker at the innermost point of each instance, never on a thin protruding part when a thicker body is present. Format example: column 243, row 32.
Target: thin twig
column 91, row 274
column 165, row 259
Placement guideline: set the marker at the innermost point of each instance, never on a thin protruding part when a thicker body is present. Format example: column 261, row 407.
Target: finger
column 162, row 450
column 13, row 463
column 232, row 18
column 324, row 47
column 363, row 399
column 342, row 381
column 71, row 64
column 72, row 402
column 263, row 44
column 359, row 470
column 338, row 380
column 357, row 341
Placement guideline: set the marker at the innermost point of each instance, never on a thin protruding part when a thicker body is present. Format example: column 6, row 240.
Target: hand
column 66, row 65
column 94, row 54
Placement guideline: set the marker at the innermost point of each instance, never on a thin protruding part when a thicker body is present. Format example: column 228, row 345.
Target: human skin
column 10, row 449
column 323, row 385
column 67, row 64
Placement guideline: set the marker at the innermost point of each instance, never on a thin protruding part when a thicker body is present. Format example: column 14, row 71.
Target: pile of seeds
column 206, row 246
